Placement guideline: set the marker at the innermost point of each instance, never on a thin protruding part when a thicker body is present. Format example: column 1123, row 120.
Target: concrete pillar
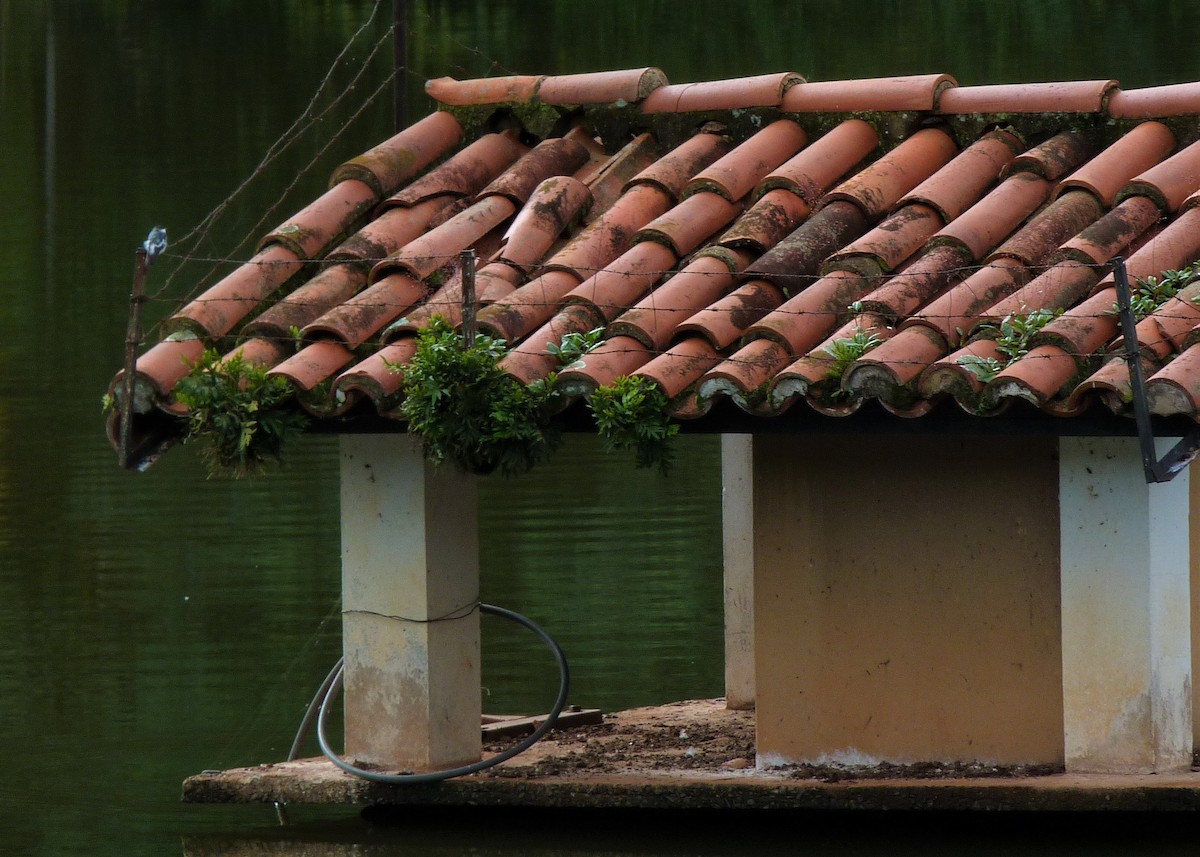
column 410, row 584
column 1126, row 620
column 737, row 517
column 1194, row 553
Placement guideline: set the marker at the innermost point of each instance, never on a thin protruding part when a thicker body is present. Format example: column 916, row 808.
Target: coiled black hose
column 333, row 683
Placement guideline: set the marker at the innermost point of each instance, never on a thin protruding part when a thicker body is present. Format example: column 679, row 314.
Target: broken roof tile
column 486, row 90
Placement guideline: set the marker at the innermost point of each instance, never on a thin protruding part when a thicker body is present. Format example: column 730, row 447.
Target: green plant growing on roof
column 238, row 414
column 1012, row 337
column 1150, row 293
column 575, row 345
column 631, row 413
column 468, row 411
column 848, row 349
column 845, row 351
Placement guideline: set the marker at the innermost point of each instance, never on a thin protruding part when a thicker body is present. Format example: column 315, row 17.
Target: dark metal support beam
column 1178, row 457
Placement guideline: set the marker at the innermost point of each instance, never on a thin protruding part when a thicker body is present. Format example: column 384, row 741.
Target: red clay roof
column 727, row 234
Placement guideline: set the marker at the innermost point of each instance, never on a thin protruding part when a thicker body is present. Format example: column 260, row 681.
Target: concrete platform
column 696, row 755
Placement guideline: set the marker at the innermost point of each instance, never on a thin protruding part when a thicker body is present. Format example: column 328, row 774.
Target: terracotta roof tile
column 734, row 175
column 601, row 87
column 1107, row 173
column 957, row 186
column 464, row 173
column 654, row 320
column 220, row 308
column 724, row 321
column 810, row 172
column 1180, row 99
column 1077, row 96
column 553, row 204
column 489, row 90
column 1169, row 183
column 1053, row 158
column 765, row 90
column 914, row 92
column 393, row 162
column 880, row 185
column 728, row 253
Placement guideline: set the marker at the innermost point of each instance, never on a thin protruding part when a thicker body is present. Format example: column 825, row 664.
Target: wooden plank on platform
column 507, row 726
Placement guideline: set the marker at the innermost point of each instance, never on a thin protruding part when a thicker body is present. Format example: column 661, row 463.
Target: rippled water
column 155, row 625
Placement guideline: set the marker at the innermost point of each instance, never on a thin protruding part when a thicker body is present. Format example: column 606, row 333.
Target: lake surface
column 154, row 625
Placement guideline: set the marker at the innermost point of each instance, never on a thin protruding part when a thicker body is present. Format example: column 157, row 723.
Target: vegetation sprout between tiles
column 469, row 412
column 238, row 415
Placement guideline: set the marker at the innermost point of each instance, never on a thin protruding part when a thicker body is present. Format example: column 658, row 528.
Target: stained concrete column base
column 737, row 517
column 1126, row 623
column 410, row 584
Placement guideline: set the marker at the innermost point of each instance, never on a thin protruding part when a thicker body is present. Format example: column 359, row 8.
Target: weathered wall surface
column 907, row 600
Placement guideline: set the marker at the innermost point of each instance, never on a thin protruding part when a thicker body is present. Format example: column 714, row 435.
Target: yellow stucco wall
column 907, row 600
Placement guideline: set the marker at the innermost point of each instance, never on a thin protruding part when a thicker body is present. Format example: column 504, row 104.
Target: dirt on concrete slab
column 698, row 754
column 694, row 735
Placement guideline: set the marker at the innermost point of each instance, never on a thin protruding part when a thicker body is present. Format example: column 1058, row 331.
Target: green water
column 155, row 625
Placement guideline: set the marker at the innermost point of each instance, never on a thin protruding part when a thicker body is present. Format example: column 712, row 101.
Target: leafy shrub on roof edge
column 631, row 413
column 468, row 411
column 237, row 414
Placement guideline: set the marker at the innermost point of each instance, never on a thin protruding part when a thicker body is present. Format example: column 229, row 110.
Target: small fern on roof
column 1012, row 336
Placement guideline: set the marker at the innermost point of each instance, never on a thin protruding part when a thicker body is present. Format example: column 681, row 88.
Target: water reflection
column 501, row 833
column 622, row 566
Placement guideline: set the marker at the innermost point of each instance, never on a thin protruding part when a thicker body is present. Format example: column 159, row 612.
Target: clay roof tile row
column 935, row 93
column 731, row 262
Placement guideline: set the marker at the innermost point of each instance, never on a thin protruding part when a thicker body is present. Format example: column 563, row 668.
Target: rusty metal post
column 468, row 297
column 133, row 338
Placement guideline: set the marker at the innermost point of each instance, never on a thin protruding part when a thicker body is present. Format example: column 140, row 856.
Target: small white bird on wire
column 155, row 243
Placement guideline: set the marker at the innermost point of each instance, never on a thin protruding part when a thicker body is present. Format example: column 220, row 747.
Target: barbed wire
column 307, row 119
column 549, row 264
column 955, row 277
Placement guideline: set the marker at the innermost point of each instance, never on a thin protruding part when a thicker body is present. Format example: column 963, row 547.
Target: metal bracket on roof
column 1179, row 456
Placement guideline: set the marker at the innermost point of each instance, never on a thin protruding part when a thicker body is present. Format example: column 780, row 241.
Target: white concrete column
column 410, row 583
column 737, row 523
column 1125, row 610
